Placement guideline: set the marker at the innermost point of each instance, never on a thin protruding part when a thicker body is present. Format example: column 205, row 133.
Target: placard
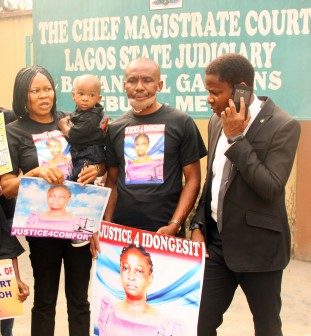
column 145, row 283
column 10, row 306
column 68, row 211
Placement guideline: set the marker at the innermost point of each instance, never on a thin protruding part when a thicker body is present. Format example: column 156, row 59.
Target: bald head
column 86, row 92
column 146, row 63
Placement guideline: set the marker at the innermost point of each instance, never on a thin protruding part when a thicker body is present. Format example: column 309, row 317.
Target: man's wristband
column 177, row 222
column 196, row 225
column 236, row 138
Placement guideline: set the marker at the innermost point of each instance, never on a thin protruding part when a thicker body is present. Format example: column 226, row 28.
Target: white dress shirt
column 220, row 158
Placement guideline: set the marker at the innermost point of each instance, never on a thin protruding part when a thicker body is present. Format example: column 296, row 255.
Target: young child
column 10, row 248
column 83, row 127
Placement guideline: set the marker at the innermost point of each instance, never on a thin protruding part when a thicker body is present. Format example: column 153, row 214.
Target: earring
column 26, row 109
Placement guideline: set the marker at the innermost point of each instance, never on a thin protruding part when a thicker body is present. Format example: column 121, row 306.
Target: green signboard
column 101, row 36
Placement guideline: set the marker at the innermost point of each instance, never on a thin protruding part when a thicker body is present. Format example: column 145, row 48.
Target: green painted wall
column 101, row 37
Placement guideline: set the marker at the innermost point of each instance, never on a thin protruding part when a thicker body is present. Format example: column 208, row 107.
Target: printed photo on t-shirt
column 54, row 150
column 144, row 154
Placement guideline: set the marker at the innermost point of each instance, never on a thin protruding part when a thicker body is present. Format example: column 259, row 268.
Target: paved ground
column 296, row 312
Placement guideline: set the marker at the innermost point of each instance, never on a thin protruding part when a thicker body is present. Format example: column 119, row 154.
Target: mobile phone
column 242, row 91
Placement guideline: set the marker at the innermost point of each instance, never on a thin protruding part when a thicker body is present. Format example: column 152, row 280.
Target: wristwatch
column 196, row 225
column 236, row 138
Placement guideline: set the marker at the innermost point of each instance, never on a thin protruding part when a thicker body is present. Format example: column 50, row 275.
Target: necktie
column 221, row 194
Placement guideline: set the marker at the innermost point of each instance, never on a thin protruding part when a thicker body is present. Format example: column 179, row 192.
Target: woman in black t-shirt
column 34, row 103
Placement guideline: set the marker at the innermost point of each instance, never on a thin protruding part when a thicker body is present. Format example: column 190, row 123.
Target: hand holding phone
column 242, row 91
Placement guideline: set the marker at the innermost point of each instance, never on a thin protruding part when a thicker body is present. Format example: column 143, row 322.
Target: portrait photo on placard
column 67, row 211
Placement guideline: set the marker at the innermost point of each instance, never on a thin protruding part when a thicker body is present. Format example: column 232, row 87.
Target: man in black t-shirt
column 149, row 151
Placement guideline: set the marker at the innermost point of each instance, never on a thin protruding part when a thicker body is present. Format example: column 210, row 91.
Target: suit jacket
column 255, row 234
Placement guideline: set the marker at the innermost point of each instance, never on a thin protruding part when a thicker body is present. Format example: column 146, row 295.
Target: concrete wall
column 302, row 235
column 15, row 27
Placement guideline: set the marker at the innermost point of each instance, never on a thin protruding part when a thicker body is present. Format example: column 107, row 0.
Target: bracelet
column 177, row 222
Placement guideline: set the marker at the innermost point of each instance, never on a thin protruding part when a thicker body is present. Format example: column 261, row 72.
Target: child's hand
column 23, row 291
column 64, row 125
column 64, row 121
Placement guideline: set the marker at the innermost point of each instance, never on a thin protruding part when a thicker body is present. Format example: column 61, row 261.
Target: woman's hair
column 142, row 135
column 54, row 186
column 141, row 250
column 233, row 69
column 22, row 84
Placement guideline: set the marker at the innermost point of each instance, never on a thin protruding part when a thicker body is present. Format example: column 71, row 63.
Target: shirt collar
column 254, row 109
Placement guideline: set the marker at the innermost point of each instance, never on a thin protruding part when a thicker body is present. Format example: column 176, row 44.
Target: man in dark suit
column 245, row 228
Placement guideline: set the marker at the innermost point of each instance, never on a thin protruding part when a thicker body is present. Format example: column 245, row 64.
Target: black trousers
column 262, row 290
column 6, row 327
column 46, row 263
column 92, row 154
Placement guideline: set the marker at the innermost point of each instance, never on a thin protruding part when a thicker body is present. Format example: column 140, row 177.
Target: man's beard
column 139, row 106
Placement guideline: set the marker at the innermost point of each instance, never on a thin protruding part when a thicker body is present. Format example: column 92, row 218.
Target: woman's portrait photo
column 56, row 217
column 44, row 208
column 55, row 147
column 144, row 158
column 136, row 294
column 55, row 151
column 134, row 315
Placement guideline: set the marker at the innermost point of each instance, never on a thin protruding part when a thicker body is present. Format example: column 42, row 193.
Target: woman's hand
column 23, row 288
column 23, row 291
column 50, row 174
column 10, row 182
